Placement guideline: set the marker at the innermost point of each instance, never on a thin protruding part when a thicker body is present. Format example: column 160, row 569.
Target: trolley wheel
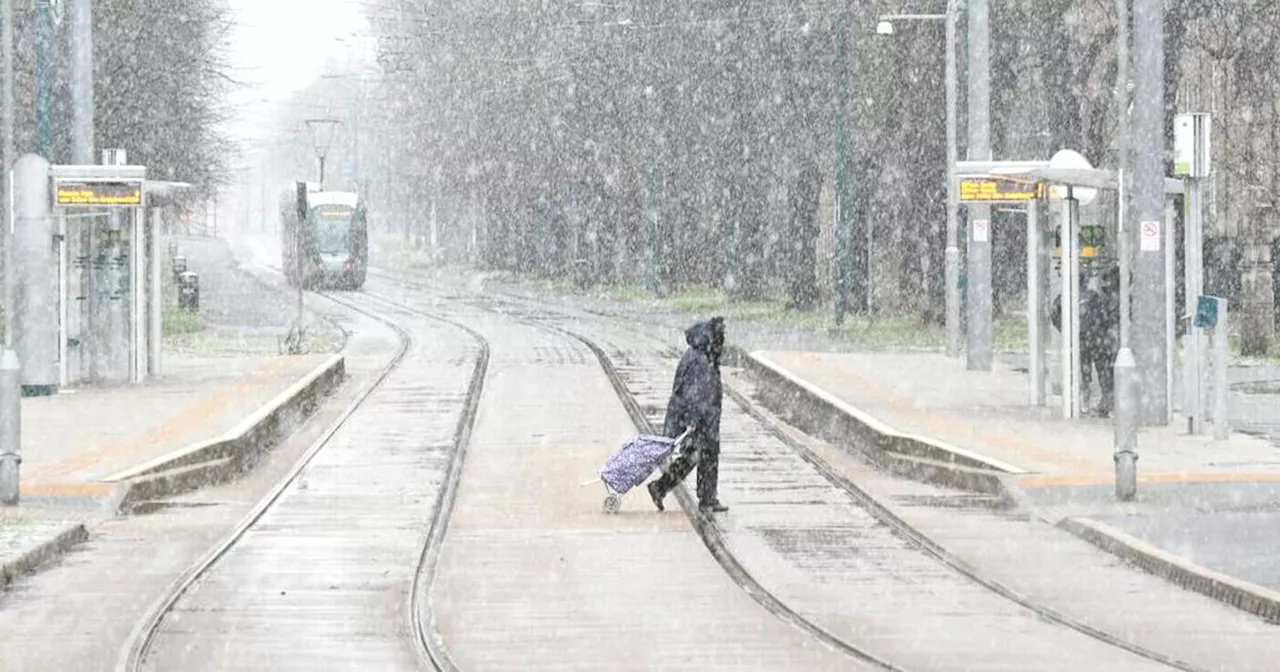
column 612, row 503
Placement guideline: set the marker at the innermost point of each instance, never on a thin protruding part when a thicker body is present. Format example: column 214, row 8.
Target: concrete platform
column 1205, row 509
column 81, row 441
column 89, row 452
column 988, row 413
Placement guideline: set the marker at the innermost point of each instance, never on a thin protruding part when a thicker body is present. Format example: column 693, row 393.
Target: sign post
column 1191, row 162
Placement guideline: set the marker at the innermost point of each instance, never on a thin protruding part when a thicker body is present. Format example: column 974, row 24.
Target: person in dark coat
column 1099, row 335
column 695, row 402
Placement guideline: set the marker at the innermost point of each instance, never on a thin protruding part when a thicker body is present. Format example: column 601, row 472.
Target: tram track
column 882, row 514
column 705, row 527
column 426, row 639
column 142, row 642
column 714, row 536
column 426, row 635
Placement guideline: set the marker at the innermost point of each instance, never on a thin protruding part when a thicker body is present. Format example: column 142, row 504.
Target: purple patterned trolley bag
column 637, row 459
column 631, row 465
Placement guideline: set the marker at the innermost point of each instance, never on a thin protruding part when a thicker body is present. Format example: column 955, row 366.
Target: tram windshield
column 333, row 228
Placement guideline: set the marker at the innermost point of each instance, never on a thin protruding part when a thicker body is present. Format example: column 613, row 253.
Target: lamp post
column 10, row 370
column 885, row 27
column 321, row 137
column 843, row 270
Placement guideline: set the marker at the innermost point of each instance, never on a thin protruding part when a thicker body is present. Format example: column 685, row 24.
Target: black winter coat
column 1099, row 322
column 695, row 392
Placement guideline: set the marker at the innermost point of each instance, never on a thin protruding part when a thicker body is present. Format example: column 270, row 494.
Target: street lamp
column 321, row 136
column 10, row 368
column 885, row 27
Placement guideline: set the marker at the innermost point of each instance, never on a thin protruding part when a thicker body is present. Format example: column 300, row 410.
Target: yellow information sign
column 999, row 190
column 113, row 193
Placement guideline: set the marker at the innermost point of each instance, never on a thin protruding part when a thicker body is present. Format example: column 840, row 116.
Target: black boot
column 656, row 494
column 714, row 507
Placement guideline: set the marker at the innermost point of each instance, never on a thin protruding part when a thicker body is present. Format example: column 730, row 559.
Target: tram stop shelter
column 89, row 281
column 1023, row 183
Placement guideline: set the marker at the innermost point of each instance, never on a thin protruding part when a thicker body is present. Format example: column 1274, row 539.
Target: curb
column 1252, row 598
column 820, row 414
column 33, row 558
column 219, row 460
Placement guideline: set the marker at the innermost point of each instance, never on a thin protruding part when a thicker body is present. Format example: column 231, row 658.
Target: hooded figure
column 1099, row 334
column 695, row 402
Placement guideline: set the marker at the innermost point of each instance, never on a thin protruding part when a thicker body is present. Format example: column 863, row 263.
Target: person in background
column 1099, row 335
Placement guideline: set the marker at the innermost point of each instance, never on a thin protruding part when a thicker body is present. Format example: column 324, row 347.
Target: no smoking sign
column 1150, row 239
column 981, row 230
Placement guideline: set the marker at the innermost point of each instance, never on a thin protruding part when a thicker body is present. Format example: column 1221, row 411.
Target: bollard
column 189, row 292
column 10, row 428
column 1126, row 425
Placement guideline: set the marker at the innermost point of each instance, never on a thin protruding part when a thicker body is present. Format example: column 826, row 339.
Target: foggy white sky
column 282, row 45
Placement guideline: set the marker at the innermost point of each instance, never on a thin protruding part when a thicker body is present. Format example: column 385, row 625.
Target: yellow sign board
column 999, row 190
column 99, row 194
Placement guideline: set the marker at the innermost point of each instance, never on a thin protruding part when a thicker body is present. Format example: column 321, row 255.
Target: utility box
column 189, row 292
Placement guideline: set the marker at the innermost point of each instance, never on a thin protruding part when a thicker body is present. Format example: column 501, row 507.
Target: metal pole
column 64, row 326
column 1125, row 438
column 154, row 296
column 1070, row 374
column 981, row 336
column 82, row 81
column 651, row 203
column 1221, row 425
column 1170, row 304
column 1124, row 258
column 1035, row 303
column 1193, row 343
column 953, row 198
column 1072, row 250
column 137, row 299
column 844, row 214
column 10, row 370
column 44, row 79
column 1123, row 85
column 1148, row 144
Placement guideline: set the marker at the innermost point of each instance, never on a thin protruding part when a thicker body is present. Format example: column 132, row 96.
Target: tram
column 324, row 238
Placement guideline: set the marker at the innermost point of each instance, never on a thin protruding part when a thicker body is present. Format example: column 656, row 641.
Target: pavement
column 88, row 448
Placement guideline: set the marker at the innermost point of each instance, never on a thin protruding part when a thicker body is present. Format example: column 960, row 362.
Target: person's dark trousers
column 1105, row 363
column 708, row 475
